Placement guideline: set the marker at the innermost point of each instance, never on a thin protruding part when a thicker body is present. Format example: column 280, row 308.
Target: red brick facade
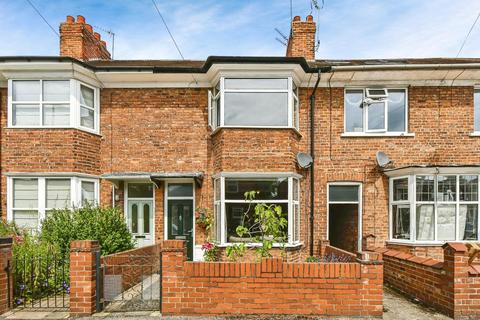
column 5, row 265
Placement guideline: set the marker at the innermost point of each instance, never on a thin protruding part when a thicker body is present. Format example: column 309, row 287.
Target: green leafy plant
column 312, row 259
column 104, row 224
column 205, row 220
column 266, row 225
column 235, row 251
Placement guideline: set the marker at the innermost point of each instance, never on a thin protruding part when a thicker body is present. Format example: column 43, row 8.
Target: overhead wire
column 171, row 35
column 43, row 18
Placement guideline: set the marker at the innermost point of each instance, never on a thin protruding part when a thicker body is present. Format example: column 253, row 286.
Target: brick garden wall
column 451, row 286
column 269, row 287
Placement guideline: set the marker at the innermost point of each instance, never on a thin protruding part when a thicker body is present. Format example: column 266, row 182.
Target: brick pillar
column 174, row 254
column 5, row 260
column 456, row 275
column 83, row 277
column 322, row 246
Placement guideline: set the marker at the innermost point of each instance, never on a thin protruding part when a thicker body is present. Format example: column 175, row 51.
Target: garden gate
column 40, row 281
column 132, row 280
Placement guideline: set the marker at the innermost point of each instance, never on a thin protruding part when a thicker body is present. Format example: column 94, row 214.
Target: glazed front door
column 180, row 222
column 140, row 221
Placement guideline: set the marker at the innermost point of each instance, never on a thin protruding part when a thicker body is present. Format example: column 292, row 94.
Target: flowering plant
column 210, row 251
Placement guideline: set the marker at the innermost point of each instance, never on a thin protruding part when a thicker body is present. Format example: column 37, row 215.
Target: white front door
column 140, row 221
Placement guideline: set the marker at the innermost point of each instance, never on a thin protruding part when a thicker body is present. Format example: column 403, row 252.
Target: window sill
column 218, row 129
column 377, row 135
column 54, row 128
column 475, row 134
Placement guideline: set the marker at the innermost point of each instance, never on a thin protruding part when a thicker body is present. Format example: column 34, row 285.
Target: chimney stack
column 302, row 38
column 79, row 41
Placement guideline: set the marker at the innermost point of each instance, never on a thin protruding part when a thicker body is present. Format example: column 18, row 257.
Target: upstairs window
column 256, row 102
column 52, row 104
column 375, row 110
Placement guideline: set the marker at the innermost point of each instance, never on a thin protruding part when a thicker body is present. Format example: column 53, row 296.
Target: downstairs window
column 31, row 198
column 231, row 207
column 434, row 208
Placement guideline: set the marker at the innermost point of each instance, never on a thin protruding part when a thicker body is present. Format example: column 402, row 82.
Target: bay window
column 231, row 209
column 254, row 102
column 434, row 208
column 29, row 199
column 370, row 111
column 52, row 104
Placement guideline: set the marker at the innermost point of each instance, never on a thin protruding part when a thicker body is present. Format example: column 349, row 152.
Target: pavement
column 396, row 307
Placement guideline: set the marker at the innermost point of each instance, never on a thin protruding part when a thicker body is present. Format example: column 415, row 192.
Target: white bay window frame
column 217, row 119
column 221, row 226
column 75, row 193
column 73, row 103
column 413, row 202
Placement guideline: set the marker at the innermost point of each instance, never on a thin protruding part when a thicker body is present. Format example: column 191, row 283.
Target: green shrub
column 104, row 224
column 8, row 229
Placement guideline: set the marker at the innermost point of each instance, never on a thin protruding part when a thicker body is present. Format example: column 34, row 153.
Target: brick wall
column 269, row 287
column 450, row 286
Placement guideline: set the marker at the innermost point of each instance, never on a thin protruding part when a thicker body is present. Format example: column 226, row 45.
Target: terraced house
column 395, row 143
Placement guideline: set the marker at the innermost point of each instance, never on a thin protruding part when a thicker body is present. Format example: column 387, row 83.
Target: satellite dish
column 383, row 160
column 304, row 160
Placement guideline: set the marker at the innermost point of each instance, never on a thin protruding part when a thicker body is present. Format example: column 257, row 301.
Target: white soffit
column 417, row 77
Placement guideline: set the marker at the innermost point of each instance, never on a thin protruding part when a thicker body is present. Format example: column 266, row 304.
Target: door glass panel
column 343, row 193
column 140, row 190
column 134, row 217
column 180, row 190
column 176, row 220
column 146, row 218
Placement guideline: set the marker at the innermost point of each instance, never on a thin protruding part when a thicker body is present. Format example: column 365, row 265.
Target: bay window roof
column 432, row 169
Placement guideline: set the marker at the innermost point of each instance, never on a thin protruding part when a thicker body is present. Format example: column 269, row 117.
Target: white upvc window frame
column 217, row 120
column 375, row 132
column 75, row 193
column 73, row 102
column 291, row 241
column 413, row 206
column 476, row 112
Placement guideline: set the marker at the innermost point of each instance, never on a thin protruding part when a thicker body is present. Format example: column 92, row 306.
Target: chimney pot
column 89, row 28
column 309, row 17
column 70, row 19
column 80, row 19
column 103, row 43
column 97, row 35
column 296, row 18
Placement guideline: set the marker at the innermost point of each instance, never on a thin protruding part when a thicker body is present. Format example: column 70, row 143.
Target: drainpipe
column 312, row 154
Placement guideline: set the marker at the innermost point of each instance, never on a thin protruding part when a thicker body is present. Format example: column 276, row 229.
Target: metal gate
column 131, row 282
column 39, row 282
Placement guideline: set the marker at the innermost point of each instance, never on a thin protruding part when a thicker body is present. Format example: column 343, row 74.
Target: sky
column 347, row 29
